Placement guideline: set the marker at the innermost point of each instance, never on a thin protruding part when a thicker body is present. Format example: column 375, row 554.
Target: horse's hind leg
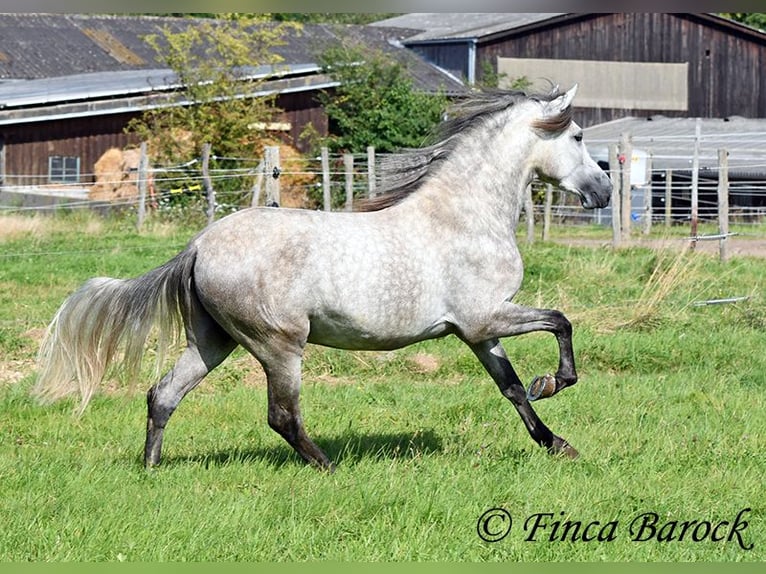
column 207, row 346
column 496, row 362
column 284, row 382
column 282, row 362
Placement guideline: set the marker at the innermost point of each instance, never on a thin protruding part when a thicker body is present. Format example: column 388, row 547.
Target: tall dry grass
column 14, row 226
column 674, row 273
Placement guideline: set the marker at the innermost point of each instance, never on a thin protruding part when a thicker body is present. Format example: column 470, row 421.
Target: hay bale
column 108, row 174
column 116, row 176
column 130, row 160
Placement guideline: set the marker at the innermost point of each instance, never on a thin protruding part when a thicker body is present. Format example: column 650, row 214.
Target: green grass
column 669, row 418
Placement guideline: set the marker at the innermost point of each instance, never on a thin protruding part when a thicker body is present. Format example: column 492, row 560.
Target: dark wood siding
column 725, row 67
column 301, row 110
column 28, row 146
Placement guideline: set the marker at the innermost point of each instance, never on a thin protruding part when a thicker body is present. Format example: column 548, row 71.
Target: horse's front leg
column 514, row 319
column 496, row 362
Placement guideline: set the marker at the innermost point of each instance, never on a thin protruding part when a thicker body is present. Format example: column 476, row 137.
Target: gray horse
column 434, row 255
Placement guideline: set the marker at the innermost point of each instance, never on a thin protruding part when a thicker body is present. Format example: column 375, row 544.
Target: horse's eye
column 578, row 137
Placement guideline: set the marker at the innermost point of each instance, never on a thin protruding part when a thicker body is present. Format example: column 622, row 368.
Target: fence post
column 695, row 183
column 648, row 209
column 2, row 161
column 547, row 212
column 143, row 168
column 668, row 197
column 529, row 212
column 257, row 185
column 626, row 151
column 208, row 183
column 326, row 191
column 348, row 164
column 615, row 172
column 371, row 183
column 272, row 170
column 723, row 203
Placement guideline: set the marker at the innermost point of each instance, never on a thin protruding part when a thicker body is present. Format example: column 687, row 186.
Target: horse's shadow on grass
column 347, row 448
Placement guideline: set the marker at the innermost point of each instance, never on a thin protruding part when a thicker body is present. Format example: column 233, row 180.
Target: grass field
column 669, row 417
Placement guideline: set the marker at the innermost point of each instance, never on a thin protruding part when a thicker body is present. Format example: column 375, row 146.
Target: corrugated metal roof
column 430, row 26
column 131, row 91
column 77, row 87
column 99, row 85
column 69, row 65
column 36, row 46
column 671, row 141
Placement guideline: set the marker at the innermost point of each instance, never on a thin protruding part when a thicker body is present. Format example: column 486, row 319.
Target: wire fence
column 334, row 181
column 244, row 181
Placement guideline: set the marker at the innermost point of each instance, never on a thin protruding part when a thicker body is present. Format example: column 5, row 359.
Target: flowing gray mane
column 403, row 173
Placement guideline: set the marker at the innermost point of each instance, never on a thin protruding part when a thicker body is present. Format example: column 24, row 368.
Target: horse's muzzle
column 595, row 193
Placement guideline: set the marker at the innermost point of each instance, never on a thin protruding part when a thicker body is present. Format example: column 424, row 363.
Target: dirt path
column 737, row 246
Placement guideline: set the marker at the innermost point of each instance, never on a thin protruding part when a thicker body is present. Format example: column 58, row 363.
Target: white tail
column 106, row 316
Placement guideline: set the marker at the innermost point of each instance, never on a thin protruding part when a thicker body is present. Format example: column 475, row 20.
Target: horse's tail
column 107, row 315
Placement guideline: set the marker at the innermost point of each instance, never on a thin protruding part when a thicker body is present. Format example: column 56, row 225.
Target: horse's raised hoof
column 541, row 387
column 560, row 447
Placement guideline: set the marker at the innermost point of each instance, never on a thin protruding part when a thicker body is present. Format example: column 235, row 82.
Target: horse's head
column 562, row 158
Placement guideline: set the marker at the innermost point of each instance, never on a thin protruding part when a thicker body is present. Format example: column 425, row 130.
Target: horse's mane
column 403, row 173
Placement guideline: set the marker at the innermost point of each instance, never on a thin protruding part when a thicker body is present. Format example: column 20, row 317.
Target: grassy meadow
column 669, row 418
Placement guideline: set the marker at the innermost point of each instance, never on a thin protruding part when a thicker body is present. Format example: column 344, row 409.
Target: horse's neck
column 480, row 190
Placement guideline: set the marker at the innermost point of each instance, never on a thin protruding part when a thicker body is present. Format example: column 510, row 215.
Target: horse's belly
column 364, row 333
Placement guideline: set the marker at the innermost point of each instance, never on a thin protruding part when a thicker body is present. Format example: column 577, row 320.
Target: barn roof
column 671, row 141
column 120, row 91
column 434, row 27
column 461, row 26
column 53, row 59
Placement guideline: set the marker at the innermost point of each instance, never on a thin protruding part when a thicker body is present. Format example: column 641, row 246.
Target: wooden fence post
column 348, row 164
column 2, row 161
column 257, row 185
column 371, row 183
column 668, row 197
column 648, row 210
column 209, row 190
column 547, row 212
column 272, row 172
column 529, row 211
column 695, row 183
column 143, row 176
column 626, row 151
column 326, row 191
column 615, row 172
column 723, row 203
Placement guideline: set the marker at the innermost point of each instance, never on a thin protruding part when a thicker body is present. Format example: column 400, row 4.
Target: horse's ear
column 561, row 103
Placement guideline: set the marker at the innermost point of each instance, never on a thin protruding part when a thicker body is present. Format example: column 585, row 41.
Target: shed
column 70, row 83
column 627, row 64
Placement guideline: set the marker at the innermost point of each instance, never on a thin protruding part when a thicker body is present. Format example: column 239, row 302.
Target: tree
column 214, row 61
column 331, row 17
column 750, row 18
column 376, row 103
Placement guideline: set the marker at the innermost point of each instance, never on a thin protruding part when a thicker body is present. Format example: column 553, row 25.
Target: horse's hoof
column 541, row 388
column 563, row 448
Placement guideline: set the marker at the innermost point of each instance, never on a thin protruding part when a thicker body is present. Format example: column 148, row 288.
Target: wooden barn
column 627, row 64
column 70, row 83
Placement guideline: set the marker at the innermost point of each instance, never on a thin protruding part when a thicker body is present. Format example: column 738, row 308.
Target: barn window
column 63, row 169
